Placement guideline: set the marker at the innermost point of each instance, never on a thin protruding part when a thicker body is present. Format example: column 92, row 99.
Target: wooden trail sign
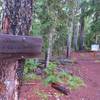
column 12, row 46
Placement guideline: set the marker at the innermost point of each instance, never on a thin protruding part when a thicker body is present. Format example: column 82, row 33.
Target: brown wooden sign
column 19, row 46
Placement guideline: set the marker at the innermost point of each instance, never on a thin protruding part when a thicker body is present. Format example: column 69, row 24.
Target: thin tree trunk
column 17, row 17
column 75, row 35
column 69, row 36
column 49, row 51
column 69, row 40
column 81, row 30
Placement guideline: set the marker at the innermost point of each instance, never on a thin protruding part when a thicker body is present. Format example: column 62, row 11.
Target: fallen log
column 60, row 88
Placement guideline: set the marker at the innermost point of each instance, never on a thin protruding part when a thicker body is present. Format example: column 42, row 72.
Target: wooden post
column 13, row 48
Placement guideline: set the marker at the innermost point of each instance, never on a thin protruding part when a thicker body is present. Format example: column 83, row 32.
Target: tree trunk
column 17, row 18
column 81, row 30
column 75, row 35
column 69, row 43
column 8, row 79
column 49, row 51
column 69, row 35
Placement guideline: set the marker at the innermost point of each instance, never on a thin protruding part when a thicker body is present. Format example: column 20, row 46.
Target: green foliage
column 75, row 82
column 89, row 39
column 30, row 77
column 52, row 75
column 95, row 26
column 95, row 23
column 41, row 94
column 36, row 28
column 50, row 70
column 52, row 13
column 29, row 66
column 92, row 20
column 64, row 74
column 51, row 79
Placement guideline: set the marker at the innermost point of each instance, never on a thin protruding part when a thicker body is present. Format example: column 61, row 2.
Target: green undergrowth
column 75, row 82
column 31, row 76
column 53, row 75
column 41, row 94
column 29, row 67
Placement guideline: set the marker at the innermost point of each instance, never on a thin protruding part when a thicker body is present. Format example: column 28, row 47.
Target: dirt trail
column 89, row 70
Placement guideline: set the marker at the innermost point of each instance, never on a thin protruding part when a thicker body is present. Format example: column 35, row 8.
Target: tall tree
column 70, row 27
column 75, row 34
column 50, row 44
column 81, row 28
column 76, row 25
column 17, row 18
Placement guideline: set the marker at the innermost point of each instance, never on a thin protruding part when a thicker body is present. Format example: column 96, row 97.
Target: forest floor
column 87, row 67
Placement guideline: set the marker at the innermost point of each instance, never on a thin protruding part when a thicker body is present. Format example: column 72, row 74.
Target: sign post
column 12, row 46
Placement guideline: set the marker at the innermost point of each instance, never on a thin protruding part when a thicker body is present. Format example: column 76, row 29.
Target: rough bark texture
column 19, row 13
column 7, row 79
column 17, row 18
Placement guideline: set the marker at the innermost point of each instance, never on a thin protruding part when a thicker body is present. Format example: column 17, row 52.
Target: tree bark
column 50, row 43
column 17, row 18
column 8, row 79
column 81, row 30
column 75, row 35
column 69, row 40
column 69, row 35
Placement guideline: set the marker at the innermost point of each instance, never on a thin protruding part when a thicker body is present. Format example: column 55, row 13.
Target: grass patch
column 41, row 94
column 31, row 76
column 75, row 82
